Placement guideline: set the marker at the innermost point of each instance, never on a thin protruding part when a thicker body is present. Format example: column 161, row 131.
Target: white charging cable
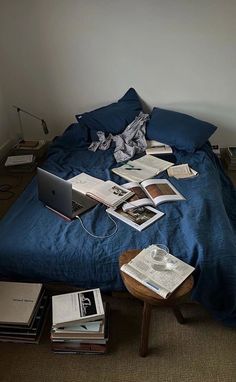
column 97, row 236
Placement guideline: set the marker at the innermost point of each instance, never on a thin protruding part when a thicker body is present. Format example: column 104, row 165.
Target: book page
column 134, row 173
column 143, row 279
column 168, row 273
column 84, row 182
column 161, row 190
column 138, row 199
column 152, row 163
column 110, row 193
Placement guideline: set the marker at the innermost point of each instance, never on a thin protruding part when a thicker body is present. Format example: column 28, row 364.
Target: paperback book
column 143, row 168
column 159, row 271
column 182, row 171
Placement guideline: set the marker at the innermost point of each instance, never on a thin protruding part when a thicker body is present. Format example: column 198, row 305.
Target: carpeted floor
column 200, row 351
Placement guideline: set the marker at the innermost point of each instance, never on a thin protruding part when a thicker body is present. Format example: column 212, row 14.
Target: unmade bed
column 38, row 245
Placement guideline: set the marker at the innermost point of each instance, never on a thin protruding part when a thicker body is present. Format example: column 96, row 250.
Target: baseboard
column 6, row 146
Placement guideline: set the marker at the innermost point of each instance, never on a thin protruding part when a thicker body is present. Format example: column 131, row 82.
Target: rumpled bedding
column 37, row 245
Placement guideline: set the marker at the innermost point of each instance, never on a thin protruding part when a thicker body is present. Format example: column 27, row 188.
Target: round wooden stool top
column 143, row 293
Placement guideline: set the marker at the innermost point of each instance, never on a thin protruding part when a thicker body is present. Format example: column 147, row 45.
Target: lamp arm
column 26, row 112
column 45, row 128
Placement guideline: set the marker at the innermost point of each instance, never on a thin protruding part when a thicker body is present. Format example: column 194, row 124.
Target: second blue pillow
column 179, row 130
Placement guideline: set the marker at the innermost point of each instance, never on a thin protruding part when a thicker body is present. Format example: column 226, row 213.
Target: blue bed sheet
column 38, row 245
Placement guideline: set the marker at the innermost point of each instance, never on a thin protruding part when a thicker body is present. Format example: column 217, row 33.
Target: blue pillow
column 179, row 130
column 115, row 117
column 75, row 134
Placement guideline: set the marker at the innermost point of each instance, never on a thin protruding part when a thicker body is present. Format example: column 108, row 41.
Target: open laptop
column 58, row 195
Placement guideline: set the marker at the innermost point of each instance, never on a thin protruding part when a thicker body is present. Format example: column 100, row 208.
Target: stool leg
column 178, row 315
column 146, row 317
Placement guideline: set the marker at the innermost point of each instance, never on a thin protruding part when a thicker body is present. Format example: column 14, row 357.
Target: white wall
column 5, row 133
column 61, row 57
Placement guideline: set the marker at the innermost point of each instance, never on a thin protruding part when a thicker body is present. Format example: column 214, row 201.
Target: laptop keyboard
column 75, row 206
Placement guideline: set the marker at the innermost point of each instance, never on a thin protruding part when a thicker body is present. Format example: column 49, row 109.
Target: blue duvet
column 38, row 245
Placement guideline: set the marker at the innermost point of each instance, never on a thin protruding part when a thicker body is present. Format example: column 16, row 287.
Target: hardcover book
column 18, row 302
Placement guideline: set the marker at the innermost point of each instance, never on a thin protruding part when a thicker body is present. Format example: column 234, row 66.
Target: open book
column 151, row 192
column 158, row 270
column 158, row 148
column 106, row 192
column 143, row 168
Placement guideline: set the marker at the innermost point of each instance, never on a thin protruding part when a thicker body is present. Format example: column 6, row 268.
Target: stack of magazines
column 80, row 323
column 23, row 311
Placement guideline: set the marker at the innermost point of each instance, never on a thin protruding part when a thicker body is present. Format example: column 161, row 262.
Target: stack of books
column 230, row 158
column 23, row 311
column 37, row 148
column 80, row 323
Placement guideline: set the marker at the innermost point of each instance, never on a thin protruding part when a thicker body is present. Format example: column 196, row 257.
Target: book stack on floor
column 230, row 158
column 80, row 323
column 23, row 311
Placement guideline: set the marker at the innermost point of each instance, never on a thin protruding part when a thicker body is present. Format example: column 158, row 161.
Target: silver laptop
column 58, row 195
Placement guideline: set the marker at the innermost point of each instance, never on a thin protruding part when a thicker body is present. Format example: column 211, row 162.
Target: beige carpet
column 201, row 350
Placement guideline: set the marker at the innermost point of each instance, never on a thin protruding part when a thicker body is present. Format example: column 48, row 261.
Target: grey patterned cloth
column 130, row 142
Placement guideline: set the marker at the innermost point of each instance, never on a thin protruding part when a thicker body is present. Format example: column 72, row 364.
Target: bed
column 37, row 245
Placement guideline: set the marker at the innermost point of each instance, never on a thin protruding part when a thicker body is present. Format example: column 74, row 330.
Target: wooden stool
column 151, row 298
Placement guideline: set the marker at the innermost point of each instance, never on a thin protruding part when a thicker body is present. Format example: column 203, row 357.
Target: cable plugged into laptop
column 97, row 236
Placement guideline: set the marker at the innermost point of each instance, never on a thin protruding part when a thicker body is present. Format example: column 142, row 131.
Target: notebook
column 57, row 194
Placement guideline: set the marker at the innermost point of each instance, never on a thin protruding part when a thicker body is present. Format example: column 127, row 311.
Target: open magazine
column 151, row 192
column 138, row 217
column 143, row 168
column 158, row 270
